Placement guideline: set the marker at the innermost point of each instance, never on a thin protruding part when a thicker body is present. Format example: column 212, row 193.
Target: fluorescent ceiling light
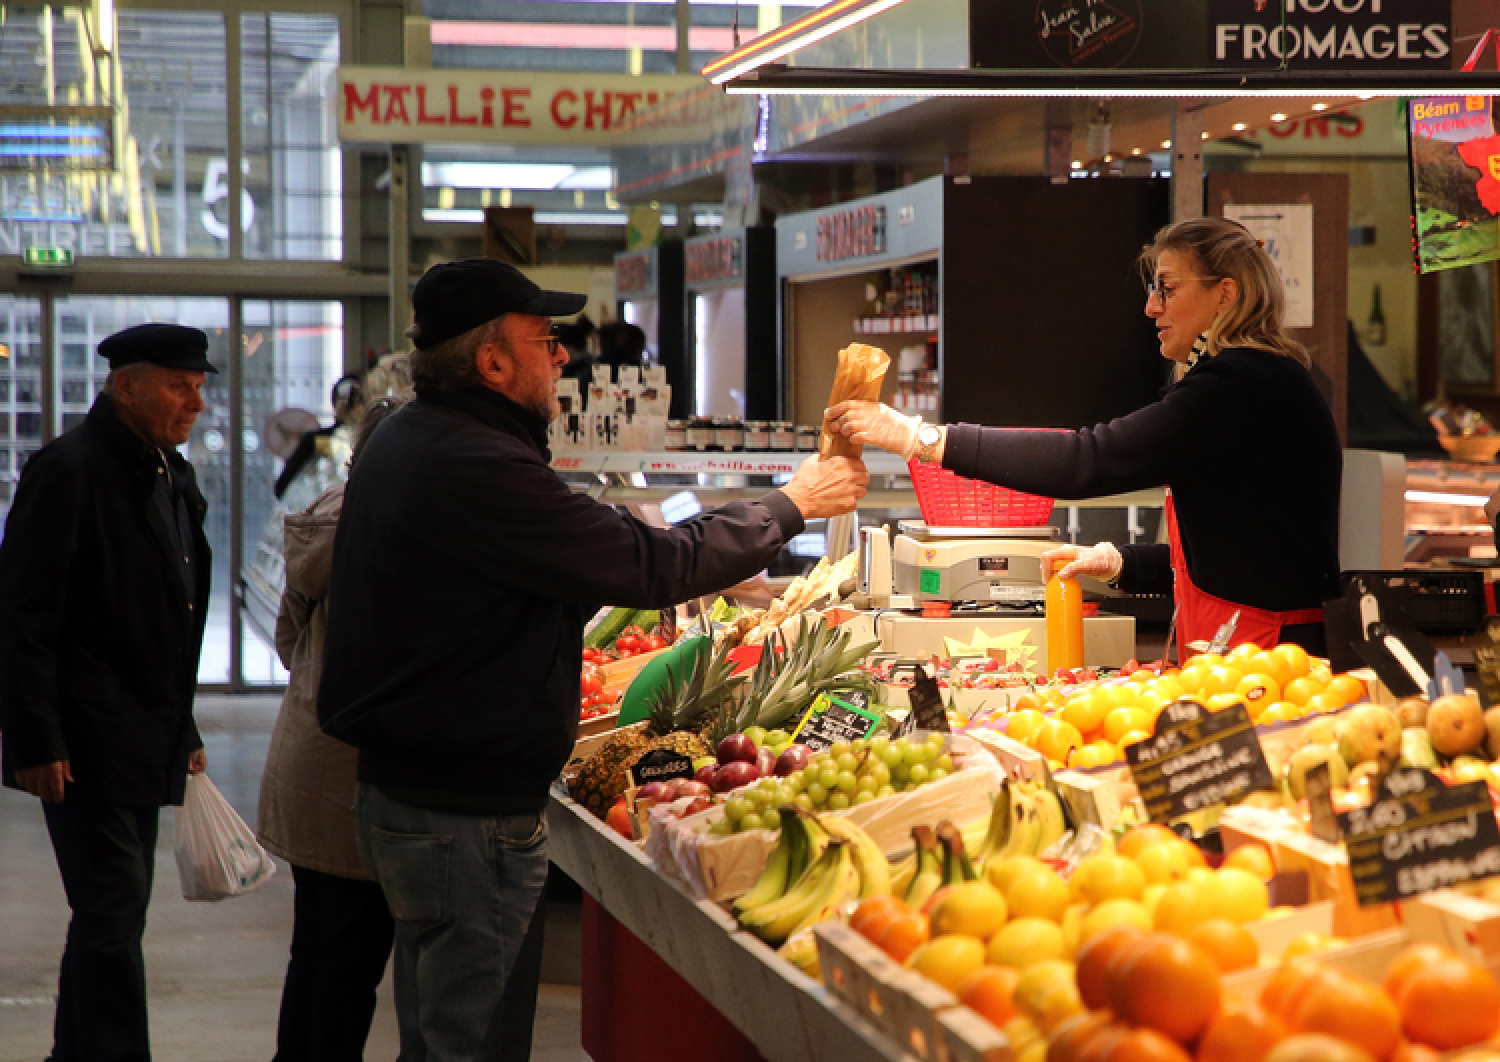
column 809, row 29
column 1433, row 497
column 542, row 217
column 525, row 176
column 602, row 36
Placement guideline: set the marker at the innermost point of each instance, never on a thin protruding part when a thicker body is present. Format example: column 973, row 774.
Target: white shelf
column 689, row 463
column 911, row 324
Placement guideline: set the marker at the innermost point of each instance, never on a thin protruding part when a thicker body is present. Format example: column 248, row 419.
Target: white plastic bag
column 217, row 854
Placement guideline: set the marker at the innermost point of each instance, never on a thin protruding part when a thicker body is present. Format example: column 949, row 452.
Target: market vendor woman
column 1244, row 442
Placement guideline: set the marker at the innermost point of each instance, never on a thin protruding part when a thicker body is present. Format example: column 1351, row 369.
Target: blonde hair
column 1219, row 249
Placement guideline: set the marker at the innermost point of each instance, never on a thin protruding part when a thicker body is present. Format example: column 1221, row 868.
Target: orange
column 1406, row 1051
column 1147, row 1045
column 1241, row 654
column 1165, row 984
column 1230, row 946
column 1294, row 657
column 1450, row 1003
column 1087, row 711
column 1023, row 725
column 1097, row 956
column 1190, row 680
column 1122, row 721
column 1286, row 985
column 1414, row 958
column 1347, row 688
column 1300, row 689
column 1056, row 739
column 1168, row 689
column 1342, row 1005
column 1320, row 703
column 1254, row 858
column 1220, row 680
column 991, row 992
column 904, row 935
column 1320, row 673
column 872, row 916
column 1280, row 712
column 1315, row 1047
column 949, row 960
column 1139, row 838
column 1266, row 663
column 1130, row 739
column 1030, row 701
column 1067, row 1042
column 1219, row 701
column 1242, row 1032
column 1259, row 691
column 1205, row 661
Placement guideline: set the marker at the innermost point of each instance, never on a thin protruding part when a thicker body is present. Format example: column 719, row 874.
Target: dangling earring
column 1200, row 350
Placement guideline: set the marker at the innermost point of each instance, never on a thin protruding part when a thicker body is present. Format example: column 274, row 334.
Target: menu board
column 1196, row 759
column 1420, row 835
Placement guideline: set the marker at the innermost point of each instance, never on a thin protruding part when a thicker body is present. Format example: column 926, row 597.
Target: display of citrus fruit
column 1227, row 943
column 1002, row 872
column 949, row 960
column 1253, row 858
column 1449, row 1003
column 1339, row 1004
column 1294, row 657
column 1096, row 956
column 972, row 908
column 1023, row 942
column 1038, row 892
column 1181, row 907
column 1046, row 993
column 1165, row 984
column 1138, row 838
column 1056, row 739
column 1409, row 962
column 903, row 935
column 1022, row 725
column 1107, row 876
column 1240, row 1032
column 990, row 990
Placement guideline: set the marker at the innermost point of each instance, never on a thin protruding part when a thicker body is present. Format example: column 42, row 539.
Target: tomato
column 590, row 682
column 627, row 643
column 609, row 697
column 653, row 642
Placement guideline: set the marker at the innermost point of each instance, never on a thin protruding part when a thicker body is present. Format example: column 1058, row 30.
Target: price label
column 1196, row 759
column 831, row 719
column 661, row 765
column 926, row 698
column 1420, row 835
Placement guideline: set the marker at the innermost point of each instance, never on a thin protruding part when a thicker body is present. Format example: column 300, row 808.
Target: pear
column 1412, row 711
column 1324, row 730
column 1370, row 733
column 1306, row 758
column 1456, row 725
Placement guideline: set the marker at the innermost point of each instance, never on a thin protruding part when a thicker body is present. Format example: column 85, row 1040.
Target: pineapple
column 675, row 709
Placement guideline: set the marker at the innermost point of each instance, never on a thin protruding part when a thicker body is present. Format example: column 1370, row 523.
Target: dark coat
column 98, row 641
column 463, row 571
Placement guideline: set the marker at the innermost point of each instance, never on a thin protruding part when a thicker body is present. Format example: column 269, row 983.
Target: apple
column 706, row 774
column 700, row 803
column 618, row 819
column 792, row 760
column 733, row 775
column 659, row 792
column 688, row 787
column 765, row 761
column 736, row 748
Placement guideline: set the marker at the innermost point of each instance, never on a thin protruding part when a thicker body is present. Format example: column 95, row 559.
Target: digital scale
column 993, row 565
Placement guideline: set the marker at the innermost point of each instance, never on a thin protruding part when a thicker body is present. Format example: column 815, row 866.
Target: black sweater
column 463, row 571
column 1248, row 447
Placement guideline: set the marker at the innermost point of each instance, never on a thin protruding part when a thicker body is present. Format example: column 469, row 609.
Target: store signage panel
column 636, row 275
column 714, row 261
column 397, row 105
column 891, row 227
column 1217, row 35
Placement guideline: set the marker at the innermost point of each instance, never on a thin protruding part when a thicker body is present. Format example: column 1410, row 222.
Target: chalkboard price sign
column 831, row 719
column 1196, row 759
column 1420, row 835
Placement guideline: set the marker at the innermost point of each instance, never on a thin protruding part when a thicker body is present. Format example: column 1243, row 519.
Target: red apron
column 1200, row 615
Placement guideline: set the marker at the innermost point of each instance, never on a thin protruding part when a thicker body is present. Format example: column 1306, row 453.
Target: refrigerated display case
column 648, row 293
column 730, row 282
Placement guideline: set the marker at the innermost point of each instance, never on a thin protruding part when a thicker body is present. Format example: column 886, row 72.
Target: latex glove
column 820, row 489
column 874, row 424
column 1102, row 561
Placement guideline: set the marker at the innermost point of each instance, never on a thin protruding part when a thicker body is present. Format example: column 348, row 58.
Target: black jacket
column 1251, row 453
column 98, row 641
column 464, row 569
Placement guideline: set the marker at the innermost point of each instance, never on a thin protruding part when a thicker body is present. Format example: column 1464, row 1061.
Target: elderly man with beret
column 103, row 588
column 464, row 569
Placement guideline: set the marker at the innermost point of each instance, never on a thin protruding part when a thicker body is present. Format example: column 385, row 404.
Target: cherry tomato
column 627, row 643
column 590, row 682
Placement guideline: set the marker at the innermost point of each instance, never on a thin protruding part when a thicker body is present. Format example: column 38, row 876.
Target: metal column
column 1187, row 160
column 400, row 242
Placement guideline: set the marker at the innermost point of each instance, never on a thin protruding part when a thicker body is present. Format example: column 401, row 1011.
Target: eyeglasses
column 551, row 340
column 1157, row 286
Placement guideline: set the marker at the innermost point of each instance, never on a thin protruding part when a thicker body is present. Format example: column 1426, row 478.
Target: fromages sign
column 1212, row 35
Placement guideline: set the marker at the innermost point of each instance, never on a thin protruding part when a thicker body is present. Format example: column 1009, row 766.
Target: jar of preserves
column 700, row 434
column 783, row 436
column 757, row 435
column 676, row 437
column 807, row 438
column 729, row 434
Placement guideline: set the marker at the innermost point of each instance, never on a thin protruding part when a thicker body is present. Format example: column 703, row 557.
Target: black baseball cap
column 171, row 346
column 454, row 297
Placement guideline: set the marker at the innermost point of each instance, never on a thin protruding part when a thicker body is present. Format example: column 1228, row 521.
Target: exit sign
column 49, row 256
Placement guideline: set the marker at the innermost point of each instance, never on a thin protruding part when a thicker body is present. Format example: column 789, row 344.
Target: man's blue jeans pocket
column 413, row 870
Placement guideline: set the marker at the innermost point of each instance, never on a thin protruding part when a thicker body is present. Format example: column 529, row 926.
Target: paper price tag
column 830, row 719
column 1420, row 835
column 661, row 765
column 1196, row 759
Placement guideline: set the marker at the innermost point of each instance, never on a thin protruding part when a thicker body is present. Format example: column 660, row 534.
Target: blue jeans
column 462, row 890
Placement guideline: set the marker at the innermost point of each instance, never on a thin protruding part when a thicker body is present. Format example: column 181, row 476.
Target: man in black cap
column 464, row 569
column 103, row 589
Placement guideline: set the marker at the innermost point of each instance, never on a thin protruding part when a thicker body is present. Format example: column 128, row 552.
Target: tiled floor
column 214, row 970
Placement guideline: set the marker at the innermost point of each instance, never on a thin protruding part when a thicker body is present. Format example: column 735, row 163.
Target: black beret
column 454, row 297
column 168, row 345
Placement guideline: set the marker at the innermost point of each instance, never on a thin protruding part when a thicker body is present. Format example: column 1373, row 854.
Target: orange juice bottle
column 1064, row 621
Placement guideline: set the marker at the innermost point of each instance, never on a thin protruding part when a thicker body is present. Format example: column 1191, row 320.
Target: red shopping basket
column 949, row 500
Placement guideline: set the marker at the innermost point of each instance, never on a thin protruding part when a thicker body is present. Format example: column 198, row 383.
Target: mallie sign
column 396, row 105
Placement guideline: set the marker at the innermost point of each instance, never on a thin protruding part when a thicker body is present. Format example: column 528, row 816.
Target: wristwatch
column 928, row 438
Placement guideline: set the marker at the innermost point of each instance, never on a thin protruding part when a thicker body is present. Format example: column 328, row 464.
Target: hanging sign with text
column 397, row 105
column 1197, row 759
column 1420, row 835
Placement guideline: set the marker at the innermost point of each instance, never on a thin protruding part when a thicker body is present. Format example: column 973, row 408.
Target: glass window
column 167, row 84
column 20, row 375
column 294, row 354
column 83, row 321
column 292, row 162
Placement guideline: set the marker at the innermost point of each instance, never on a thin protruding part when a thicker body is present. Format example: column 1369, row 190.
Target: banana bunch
column 819, row 864
column 1025, row 819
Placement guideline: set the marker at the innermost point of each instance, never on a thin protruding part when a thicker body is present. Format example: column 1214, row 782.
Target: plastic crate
column 949, row 500
column 1437, row 602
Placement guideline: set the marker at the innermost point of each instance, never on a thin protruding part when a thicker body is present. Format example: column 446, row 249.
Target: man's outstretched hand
column 821, row 489
column 46, row 782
